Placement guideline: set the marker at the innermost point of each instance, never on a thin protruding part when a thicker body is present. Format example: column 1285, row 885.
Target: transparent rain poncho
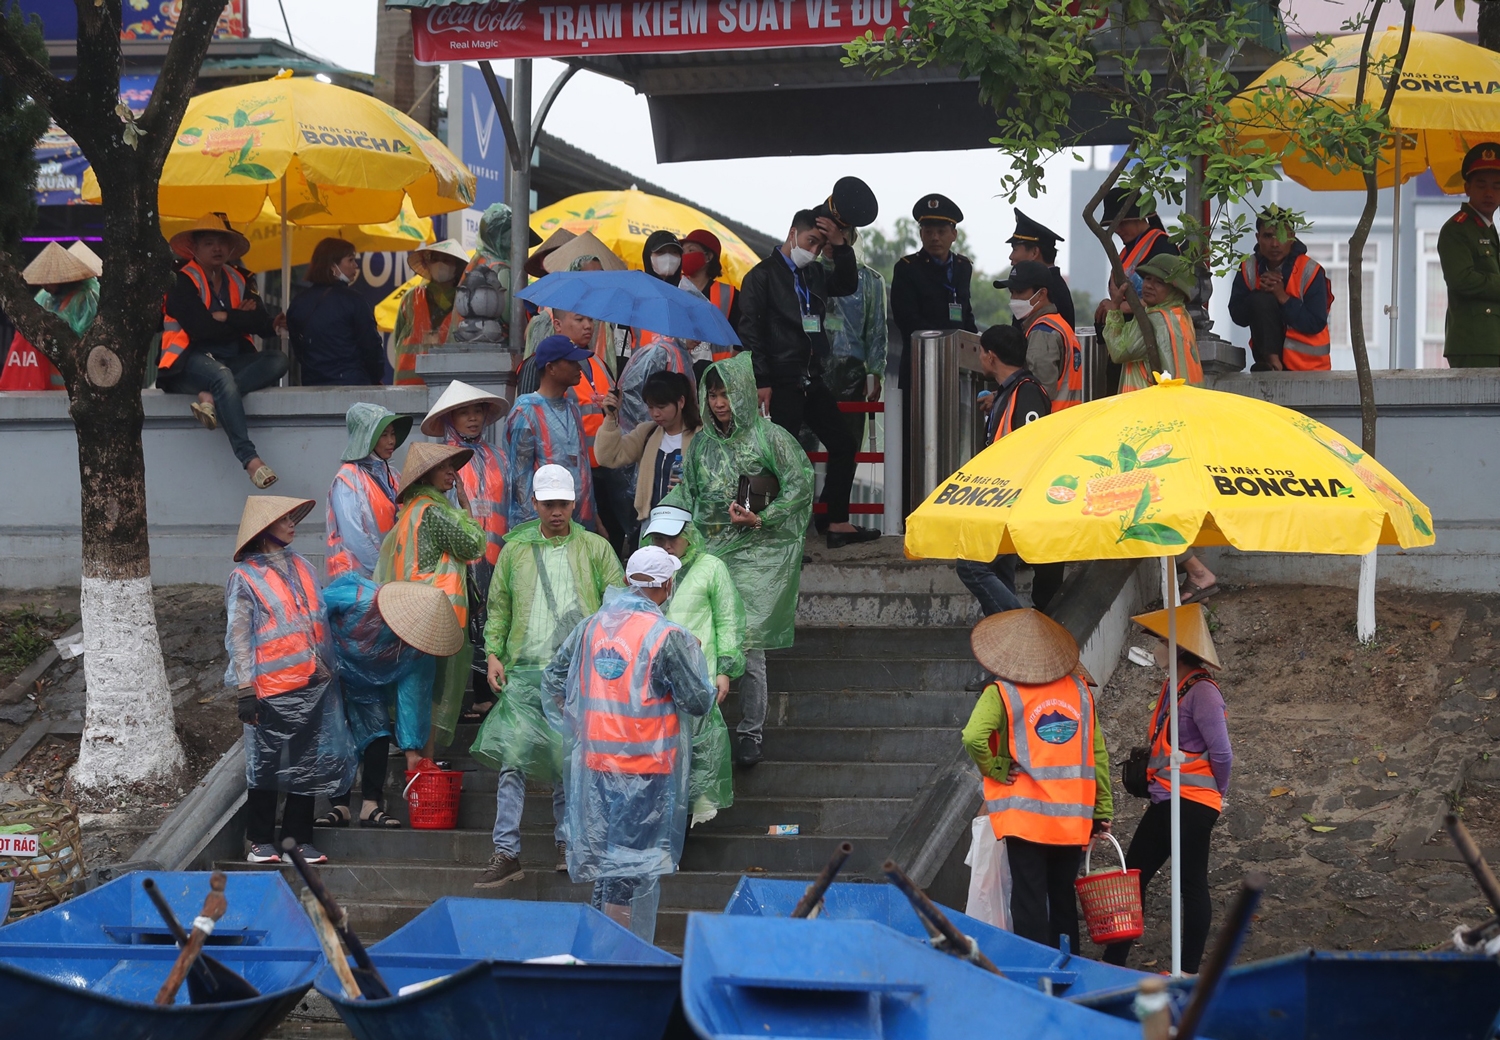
column 705, row 602
column 663, row 354
column 765, row 562
column 278, row 641
column 376, row 669
column 537, row 596
column 354, row 521
column 541, row 430
column 622, row 688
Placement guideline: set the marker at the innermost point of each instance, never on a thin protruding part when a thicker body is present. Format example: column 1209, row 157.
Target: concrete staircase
column 858, row 718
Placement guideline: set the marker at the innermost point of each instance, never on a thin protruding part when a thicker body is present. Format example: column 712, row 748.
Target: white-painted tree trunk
column 1364, row 619
column 128, row 733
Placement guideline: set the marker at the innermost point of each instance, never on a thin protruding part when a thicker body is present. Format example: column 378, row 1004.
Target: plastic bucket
column 432, row 798
column 1111, row 900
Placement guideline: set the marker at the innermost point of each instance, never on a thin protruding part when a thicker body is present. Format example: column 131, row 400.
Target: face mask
column 665, row 264
column 1020, row 308
column 801, row 257
column 441, row 271
column 341, row 276
column 692, row 263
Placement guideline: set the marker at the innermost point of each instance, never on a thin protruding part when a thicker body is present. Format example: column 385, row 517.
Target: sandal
column 476, row 712
column 379, row 818
column 205, row 414
column 263, row 477
column 338, row 816
column 1191, row 593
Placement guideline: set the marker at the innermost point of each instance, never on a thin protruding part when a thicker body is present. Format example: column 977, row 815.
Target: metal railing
column 946, row 423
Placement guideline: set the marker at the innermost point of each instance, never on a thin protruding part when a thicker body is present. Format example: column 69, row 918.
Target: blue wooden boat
column 90, row 968
column 776, row 977
column 471, row 970
column 1032, row 964
column 1317, row 995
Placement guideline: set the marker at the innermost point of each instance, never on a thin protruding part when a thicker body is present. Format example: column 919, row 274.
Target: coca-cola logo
column 493, row 17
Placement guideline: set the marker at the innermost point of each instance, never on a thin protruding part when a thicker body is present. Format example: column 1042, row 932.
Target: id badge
column 955, row 311
column 810, row 323
column 833, row 322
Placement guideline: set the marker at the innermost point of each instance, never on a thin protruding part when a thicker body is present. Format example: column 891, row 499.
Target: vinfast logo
column 490, row 18
column 482, row 132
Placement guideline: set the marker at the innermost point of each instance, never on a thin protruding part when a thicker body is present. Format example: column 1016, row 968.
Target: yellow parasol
column 623, row 220
column 407, row 232
column 1149, row 474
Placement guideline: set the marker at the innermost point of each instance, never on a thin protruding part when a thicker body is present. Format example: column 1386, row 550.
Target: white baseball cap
column 667, row 520
column 653, row 564
column 553, row 483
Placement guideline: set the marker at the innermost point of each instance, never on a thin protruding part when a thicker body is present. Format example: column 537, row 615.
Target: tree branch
column 50, row 92
column 175, row 82
column 1106, row 237
column 47, row 332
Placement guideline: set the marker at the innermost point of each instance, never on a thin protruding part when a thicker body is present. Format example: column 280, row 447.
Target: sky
column 607, row 119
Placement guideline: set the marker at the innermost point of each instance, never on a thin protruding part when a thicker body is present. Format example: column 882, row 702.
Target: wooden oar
column 1474, row 859
column 1231, row 938
column 954, row 941
column 812, row 899
column 208, row 981
column 214, row 906
column 366, row 974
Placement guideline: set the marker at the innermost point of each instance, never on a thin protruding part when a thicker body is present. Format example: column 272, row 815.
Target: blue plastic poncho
column 377, row 668
column 300, row 743
column 540, row 430
column 622, row 688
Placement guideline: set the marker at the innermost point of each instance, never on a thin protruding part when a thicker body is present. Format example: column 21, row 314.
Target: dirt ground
column 1346, row 758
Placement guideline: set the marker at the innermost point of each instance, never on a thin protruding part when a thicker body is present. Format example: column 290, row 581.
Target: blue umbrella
column 636, row 299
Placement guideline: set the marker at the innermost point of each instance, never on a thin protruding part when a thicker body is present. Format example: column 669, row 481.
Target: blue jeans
column 229, row 380
column 510, row 799
column 993, row 583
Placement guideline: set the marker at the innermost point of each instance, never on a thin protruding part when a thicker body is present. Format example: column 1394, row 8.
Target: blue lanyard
column 948, row 278
column 804, row 294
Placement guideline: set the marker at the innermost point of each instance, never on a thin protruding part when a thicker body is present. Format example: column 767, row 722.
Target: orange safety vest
column 447, row 574
column 173, row 339
column 484, row 485
column 1198, row 783
column 1050, row 799
column 721, row 295
column 1312, row 351
column 627, row 729
column 1131, row 260
column 1182, row 345
column 1070, row 384
column 588, row 393
column 291, row 631
column 378, row 498
column 417, row 340
column 1007, row 418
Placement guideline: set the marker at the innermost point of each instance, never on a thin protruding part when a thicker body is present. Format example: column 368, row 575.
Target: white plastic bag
column 989, row 876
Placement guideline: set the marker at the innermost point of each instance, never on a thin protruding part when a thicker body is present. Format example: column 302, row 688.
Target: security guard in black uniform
column 929, row 291
column 1036, row 242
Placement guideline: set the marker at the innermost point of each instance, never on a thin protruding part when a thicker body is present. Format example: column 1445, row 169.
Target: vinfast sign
column 553, row 29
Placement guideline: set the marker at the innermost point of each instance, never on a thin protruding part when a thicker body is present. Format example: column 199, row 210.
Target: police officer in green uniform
column 1470, row 253
column 1037, row 243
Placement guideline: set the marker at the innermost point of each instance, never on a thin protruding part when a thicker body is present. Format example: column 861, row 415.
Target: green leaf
column 245, row 151
column 1098, row 460
column 1419, row 523
column 1158, row 534
column 1128, row 458
column 1141, row 505
column 304, row 209
column 1164, row 460
column 255, row 171
column 219, row 119
column 240, row 119
column 1324, row 829
column 1309, row 817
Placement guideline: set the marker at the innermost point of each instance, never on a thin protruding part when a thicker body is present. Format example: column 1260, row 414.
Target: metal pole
column 520, row 197
column 1394, row 310
column 1176, row 774
column 929, row 362
column 286, row 277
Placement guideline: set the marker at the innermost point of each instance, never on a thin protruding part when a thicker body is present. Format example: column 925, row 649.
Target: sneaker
column 310, row 854
column 562, row 857
column 263, row 854
column 747, row 751
column 502, row 868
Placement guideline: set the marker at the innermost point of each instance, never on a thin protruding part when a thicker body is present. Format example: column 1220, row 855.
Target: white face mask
column 341, row 276
column 1020, row 308
column 441, row 271
column 665, row 264
column 801, row 257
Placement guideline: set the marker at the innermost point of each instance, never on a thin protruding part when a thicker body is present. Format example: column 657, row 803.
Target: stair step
column 790, row 853
column 860, row 744
column 831, row 779
column 842, row 707
column 860, row 643
column 791, row 675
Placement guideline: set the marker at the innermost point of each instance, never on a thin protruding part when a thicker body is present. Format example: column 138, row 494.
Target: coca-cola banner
column 548, row 29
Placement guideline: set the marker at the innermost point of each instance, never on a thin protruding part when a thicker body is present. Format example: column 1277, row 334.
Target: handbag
column 1133, row 773
column 757, row 492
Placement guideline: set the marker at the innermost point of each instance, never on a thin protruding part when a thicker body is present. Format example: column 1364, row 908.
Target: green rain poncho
column 705, row 602
column 765, row 562
column 528, row 620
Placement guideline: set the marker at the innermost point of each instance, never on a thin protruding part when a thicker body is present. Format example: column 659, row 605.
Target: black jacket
column 205, row 332
column 771, row 315
column 920, row 295
column 1032, row 403
column 335, row 337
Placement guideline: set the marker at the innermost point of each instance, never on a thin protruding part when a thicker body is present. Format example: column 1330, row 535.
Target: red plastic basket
column 1111, row 900
column 432, row 796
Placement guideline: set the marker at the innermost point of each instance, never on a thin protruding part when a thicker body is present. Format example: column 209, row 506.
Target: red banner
column 549, row 29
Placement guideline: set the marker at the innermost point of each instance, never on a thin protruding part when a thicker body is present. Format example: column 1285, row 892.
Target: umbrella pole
column 1394, row 309
column 286, row 272
column 1176, row 774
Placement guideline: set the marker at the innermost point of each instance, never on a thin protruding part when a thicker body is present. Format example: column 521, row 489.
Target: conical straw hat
column 419, row 258
column 1192, row 631
column 182, row 242
column 90, row 258
column 1024, row 646
column 456, row 396
column 423, row 457
column 586, row 244
column 421, row 616
column 54, row 265
column 261, row 511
